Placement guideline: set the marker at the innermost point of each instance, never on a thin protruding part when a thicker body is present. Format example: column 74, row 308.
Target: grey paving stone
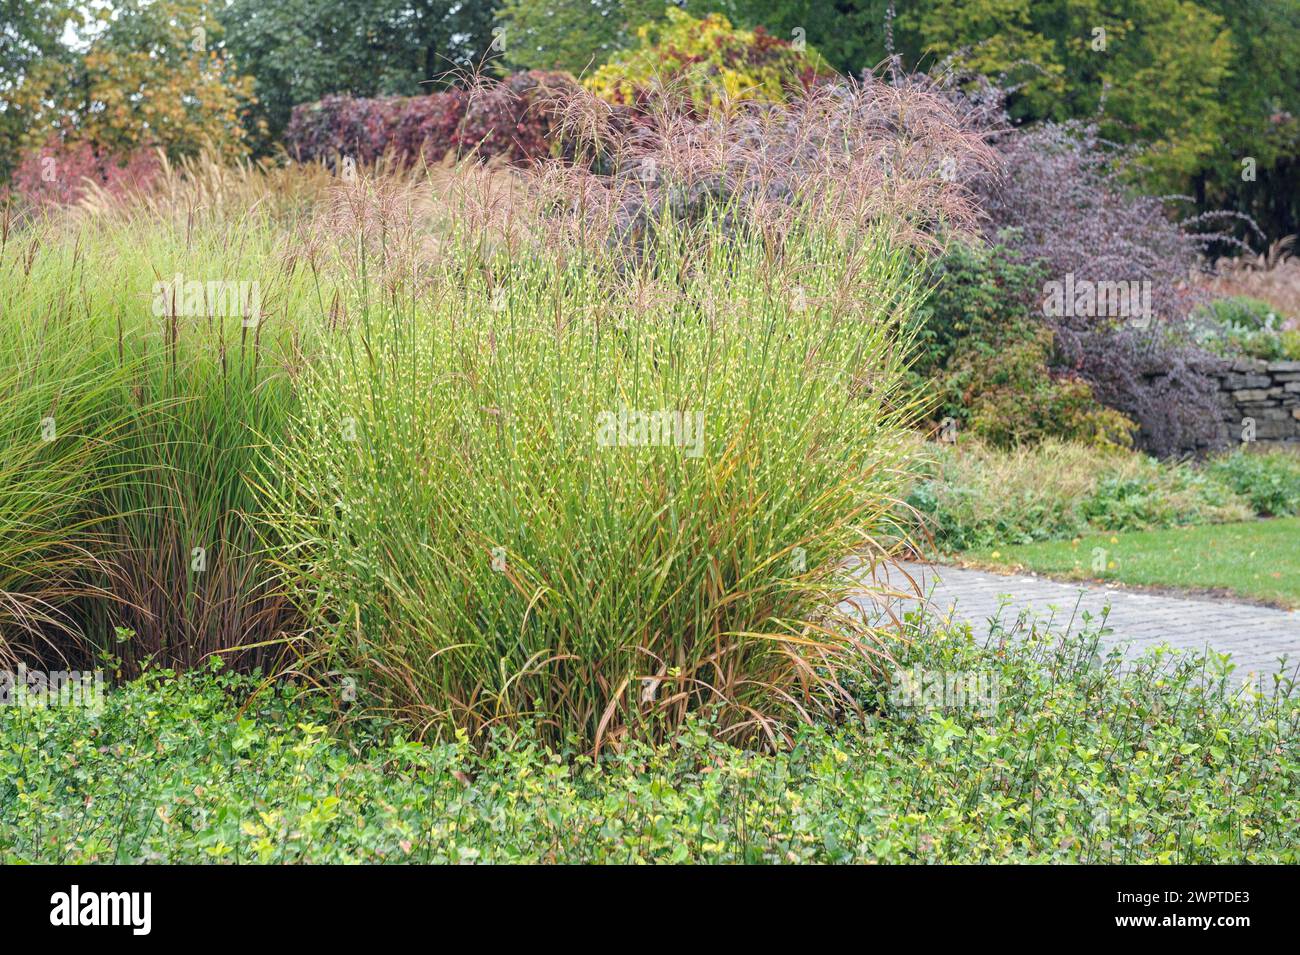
column 1255, row 636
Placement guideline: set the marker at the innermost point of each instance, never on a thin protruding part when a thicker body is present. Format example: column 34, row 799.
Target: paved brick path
column 1255, row 636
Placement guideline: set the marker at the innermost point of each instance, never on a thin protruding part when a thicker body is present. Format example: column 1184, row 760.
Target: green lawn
column 1255, row 559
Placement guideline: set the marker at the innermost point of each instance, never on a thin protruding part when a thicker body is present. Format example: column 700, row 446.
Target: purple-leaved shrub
column 1061, row 197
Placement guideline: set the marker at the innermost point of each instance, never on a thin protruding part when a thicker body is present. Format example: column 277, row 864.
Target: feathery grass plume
column 865, row 154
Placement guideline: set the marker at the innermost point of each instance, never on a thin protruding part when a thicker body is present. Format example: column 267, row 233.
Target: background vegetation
column 1198, row 86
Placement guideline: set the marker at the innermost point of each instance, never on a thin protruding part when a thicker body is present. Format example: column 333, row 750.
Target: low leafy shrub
column 1246, row 326
column 974, row 495
column 1061, row 756
column 1061, row 196
column 989, row 357
column 1156, row 495
column 706, row 62
column 59, row 174
column 510, row 120
column 1241, row 313
column 977, row 290
column 1012, row 396
column 1269, row 480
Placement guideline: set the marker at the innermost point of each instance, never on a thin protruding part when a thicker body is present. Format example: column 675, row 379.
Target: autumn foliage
column 709, row 62
column 155, row 77
column 510, row 119
column 60, row 174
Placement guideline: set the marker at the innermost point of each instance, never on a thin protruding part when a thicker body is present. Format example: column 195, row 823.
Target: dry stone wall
column 1260, row 401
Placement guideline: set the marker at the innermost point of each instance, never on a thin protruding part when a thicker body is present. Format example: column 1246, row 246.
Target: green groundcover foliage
column 1019, row 747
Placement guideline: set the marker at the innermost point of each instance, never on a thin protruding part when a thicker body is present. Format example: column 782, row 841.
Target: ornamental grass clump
column 549, row 491
column 538, row 478
column 50, row 441
column 477, row 461
column 147, row 351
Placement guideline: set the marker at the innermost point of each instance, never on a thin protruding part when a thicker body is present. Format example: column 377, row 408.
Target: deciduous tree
column 573, row 35
column 152, row 73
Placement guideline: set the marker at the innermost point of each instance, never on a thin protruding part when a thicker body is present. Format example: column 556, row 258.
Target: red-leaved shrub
column 60, row 173
column 510, row 119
